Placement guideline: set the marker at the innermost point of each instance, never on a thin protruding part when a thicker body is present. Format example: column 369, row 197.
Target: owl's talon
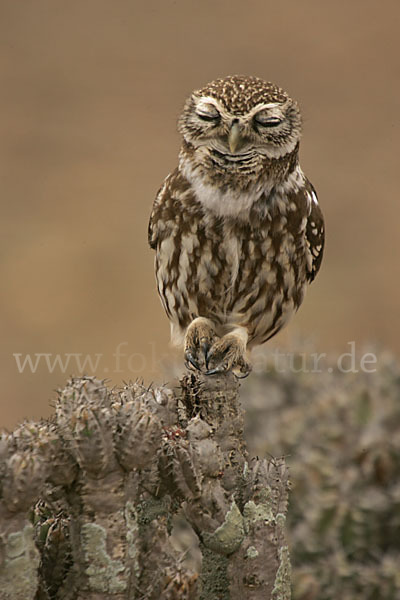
column 224, row 369
column 216, row 371
column 228, row 354
column 205, row 348
column 245, row 374
column 190, row 360
column 200, row 336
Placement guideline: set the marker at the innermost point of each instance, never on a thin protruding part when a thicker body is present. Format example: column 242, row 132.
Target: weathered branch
column 105, row 477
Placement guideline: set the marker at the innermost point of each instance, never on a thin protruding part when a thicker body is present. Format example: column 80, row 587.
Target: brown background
column 89, row 95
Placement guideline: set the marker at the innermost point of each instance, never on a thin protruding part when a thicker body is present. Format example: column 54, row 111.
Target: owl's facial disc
column 267, row 129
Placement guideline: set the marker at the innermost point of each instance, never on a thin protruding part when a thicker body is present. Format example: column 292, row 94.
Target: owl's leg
column 229, row 354
column 200, row 336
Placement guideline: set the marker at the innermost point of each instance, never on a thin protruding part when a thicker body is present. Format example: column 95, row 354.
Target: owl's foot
column 229, row 354
column 200, row 336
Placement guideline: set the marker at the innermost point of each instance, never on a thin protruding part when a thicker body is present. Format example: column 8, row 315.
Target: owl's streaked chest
column 235, row 256
column 248, row 268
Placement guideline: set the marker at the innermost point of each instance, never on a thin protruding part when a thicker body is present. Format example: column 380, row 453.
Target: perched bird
column 237, row 228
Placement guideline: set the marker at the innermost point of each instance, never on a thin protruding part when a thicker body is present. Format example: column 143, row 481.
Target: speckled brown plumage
column 237, row 229
column 239, row 94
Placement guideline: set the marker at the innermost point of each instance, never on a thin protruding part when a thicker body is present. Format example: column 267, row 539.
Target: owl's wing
column 152, row 231
column 157, row 216
column 167, row 215
column 315, row 234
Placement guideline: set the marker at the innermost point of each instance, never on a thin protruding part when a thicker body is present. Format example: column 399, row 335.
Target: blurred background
column 90, row 92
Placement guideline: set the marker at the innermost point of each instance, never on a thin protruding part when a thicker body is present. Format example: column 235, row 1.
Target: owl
column 237, row 229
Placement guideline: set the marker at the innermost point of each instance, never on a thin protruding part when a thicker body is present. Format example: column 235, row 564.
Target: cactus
column 340, row 433
column 88, row 498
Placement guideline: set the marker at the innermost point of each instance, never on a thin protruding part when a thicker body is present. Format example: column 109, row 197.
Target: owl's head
column 239, row 115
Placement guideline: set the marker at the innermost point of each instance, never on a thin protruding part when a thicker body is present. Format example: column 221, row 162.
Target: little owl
column 237, row 228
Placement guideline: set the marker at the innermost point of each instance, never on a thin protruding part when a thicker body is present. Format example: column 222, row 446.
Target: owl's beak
column 235, row 139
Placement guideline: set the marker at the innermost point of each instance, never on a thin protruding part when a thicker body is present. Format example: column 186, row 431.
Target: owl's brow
column 266, row 106
column 200, row 100
column 207, row 100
